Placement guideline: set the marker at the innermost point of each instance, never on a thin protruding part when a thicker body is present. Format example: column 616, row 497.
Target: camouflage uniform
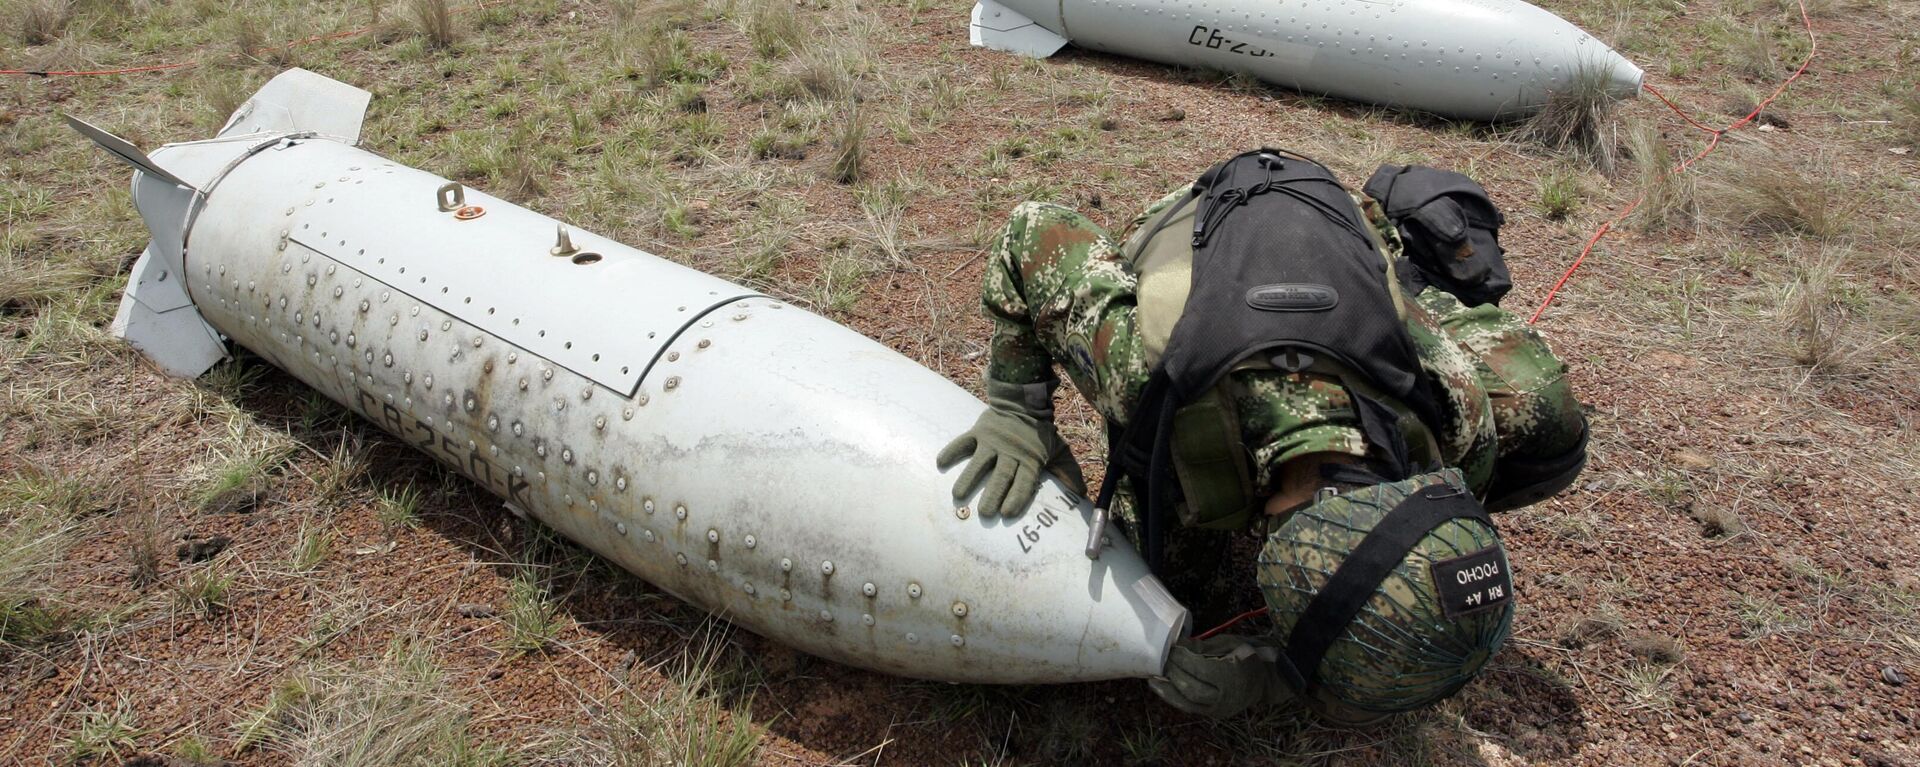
column 1059, row 290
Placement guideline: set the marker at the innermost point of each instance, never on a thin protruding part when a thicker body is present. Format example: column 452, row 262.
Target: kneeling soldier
column 1328, row 371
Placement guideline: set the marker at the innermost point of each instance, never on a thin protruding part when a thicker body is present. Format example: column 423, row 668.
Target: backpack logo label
column 1293, row 297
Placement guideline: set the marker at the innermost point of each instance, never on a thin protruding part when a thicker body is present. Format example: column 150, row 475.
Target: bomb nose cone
column 1624, row 79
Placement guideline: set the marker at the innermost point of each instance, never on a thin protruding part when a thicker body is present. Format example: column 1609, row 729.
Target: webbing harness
column 1354, row 582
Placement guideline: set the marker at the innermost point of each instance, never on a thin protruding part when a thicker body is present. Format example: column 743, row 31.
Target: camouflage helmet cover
column 1413, row 640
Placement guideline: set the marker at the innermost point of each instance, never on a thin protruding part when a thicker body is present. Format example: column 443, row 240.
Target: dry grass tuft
column 105, row 735
column 1648, row 686
column 25, row 284
column 884, row 206
column 1667, row 199
column 66, row 52
column 249, row 38
column 849, row 147
column 1654, row 648
column 1756, row 54
column 1579, row 119
column 221, row 93
column 1144, row 746
column 1906, row 117
column 1560, row 193
column 238, row 484
column 773, row 142
column 690, row 724
column 399, row 508
column 838, row 282
column 1603, row 624
column 1761, row 617
column 38, row 22
column 828, row 71
column 1812, row 314
column 655, row 49
column 1068, row 733
column 37, row 518
column 398, row 710
column 206, row 592
column 433, row 20
column 313, row 547
column 1717, row 521
column 775, row 29
column 343, row 471
column 1764, row 191
column 144, row 548
column 688, row 98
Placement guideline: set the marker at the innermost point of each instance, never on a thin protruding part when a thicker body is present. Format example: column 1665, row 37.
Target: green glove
column 1219, row 676
column 1009, row 446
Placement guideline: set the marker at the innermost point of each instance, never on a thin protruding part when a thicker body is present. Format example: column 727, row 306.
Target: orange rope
column 78, row 73
column 1712, row 144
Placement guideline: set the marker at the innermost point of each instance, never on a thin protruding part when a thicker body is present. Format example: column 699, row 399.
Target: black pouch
column 1450, row 229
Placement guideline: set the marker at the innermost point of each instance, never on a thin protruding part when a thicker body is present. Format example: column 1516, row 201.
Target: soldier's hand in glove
column 1009, row 446
column 1219, row 676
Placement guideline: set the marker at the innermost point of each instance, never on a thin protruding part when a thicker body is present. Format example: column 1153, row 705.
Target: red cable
column 1713, row 143
column 76, row 73
column 1230, row 623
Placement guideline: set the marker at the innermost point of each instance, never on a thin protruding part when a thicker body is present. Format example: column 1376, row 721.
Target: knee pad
column 1520, row 480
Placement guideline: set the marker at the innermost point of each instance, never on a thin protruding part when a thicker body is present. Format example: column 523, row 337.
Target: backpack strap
column 1172, row 212
column 1140, row 451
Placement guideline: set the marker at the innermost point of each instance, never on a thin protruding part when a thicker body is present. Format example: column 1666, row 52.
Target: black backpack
column 1283, row 273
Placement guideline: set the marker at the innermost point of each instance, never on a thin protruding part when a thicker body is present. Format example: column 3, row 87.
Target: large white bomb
column 748, row 456
column 1472, row 59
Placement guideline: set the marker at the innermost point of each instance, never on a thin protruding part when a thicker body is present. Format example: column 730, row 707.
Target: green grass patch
column 531, row 617
column 206, row 591
column 400, row 508
column 1560, row 194
column 38, row 515
column 105, row 734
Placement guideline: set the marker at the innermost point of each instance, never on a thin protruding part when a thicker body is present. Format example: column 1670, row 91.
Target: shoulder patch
column 1293, row 297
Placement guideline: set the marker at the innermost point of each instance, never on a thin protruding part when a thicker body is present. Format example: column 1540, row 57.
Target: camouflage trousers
column 1059, row 291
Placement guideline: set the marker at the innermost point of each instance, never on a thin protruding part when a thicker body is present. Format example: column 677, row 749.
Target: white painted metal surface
column 1002, row 29
column 156, row 317
column 604, row 311
column 1473, row 59
column 297, row 101
column 753, row 458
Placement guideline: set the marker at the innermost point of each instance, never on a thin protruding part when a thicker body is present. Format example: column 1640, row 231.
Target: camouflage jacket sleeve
column 1058, row 290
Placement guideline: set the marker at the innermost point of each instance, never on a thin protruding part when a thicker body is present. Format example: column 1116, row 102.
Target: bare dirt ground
column 234, row 570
